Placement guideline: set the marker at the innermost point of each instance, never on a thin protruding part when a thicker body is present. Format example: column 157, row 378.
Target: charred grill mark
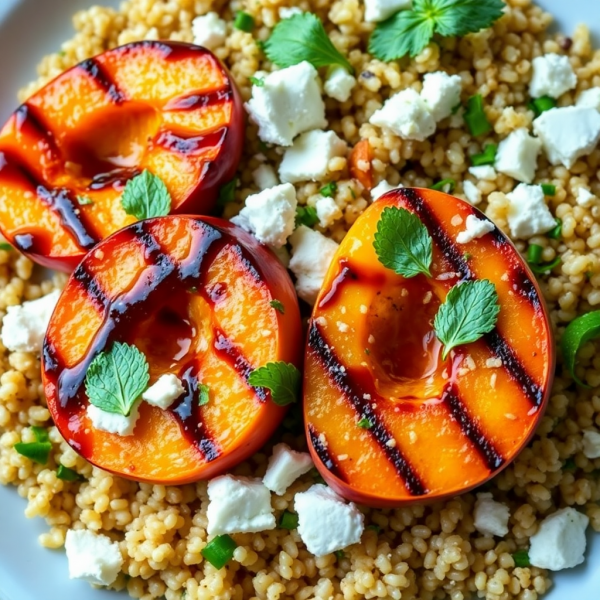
column 344, row 274
column 199, row 144
column 248, row 266
column 195, row 101
column 116, row 179
column 340, row 378
column 490, row 455
column 90, row 285
column 323, row 453
column 97, row 72
column 523, row 286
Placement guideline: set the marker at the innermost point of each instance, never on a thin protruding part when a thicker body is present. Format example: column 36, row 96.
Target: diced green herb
column 578, row 332
column 470, row 311
column 40, row 433
column 487, row 157
column 540, row 105
column 373, row 527
column 243, row 21
column 227, row 193
column 257, row 81
column 445, row 185
column 534, row 254
column 569, row 465
column 36, row 451
column 555, row 233
column 219, row 551
column 84, row 200
column 475, row 116
column 146, row 196
column 367, row 351
column 204, row 394
column 288, row 520
column 317, row 477
column 521, row 558
column 409, row 31
column 281, row 378
column 67, row 474
column 306, row 215
column 467, row 256
column 456, row 108
column 116, row 379
column 278, row 306
column 262, row 146
column 545, row 268
column 303, row 37
column 5, row 246
column 402, row 243
column 549, row 189
column 365, row 423
column 329, row 190
column 339, row 554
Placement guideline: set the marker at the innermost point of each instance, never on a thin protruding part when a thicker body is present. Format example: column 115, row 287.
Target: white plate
column 30, row 29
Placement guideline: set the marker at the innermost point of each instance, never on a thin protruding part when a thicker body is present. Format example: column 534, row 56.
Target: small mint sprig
column 145, row 196
column 281, row 378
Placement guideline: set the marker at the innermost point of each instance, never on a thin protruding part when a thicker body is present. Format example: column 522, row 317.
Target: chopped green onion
column 445, row 185
column 456, row 108
column 548, row 189
column 278, row 306
column 306, row 215
column 521, row 558
column 257, row 81
column 365, row 423
column 339, row 554
column 569, row 465
column 5, row 246
column 243, row 21
column 540, row 105
column 227, row 193
column 67, row 474
column 288, row 520
column 219, row 551
column 555, row 233
column 329, row 190
column 534, row 254
column 40, row 433
column 36, row 451
column 467, row 256
column 475, row 116
column 546, row 267
column 487, row 157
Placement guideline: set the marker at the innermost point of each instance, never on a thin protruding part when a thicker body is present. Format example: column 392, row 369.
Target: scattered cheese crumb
column 591, row 444
column 209, row 30
column 485, row 172
column 380, row 10
column 456, row 220
column 391, row 443
column 164, row 392
column 528, row 214
column 589, row 98
column 327, row 211
column 383, row 187
column 343, row 327
column 285, row 12
column 339, row 84
column 584, row 197
column 363, row 309
column 472, row 192
column 113, row 422
column 490, row 517
column 371, row 339
column 493, row 362
column 265, row 177
column 552, row 76
column 93, row 557
column 475, row 228
column 441, row 92
column 285, row 466
column 517, row 155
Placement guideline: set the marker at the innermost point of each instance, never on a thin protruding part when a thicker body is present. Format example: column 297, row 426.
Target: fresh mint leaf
column 281, row 378
column 116, row 379
column 402, row 243
column 278, row 306
column 459, row 17
column 303, row 37
column 146, row 196
column 204, row 394
column 470, row 311
column 578, row 332
column 407, row 32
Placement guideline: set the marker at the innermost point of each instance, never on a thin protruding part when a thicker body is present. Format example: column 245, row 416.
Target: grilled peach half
column 388, row 420
column 194, row 295
column 67, row 153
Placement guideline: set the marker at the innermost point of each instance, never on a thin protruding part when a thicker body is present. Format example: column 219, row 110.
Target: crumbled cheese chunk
column 24, row 326
column 92, row 557
column 568, row 133
column 209, row 30
column 560, row 541
column 517, row 155
column 285, row 12
column 472, row 192
column 285, row 466
column 339, row 84
column 589, row 98
column 591, row 444
column 327, row 211
column 288, row 103
column 265, row 177
column 441, row 93
column 528, row 214
column 383, row 187
column 164, row 392
column 270, row 215
column 380, row 10
column 309, row 156
column 491, row 517
column 312, row 253
column 552, row 76
column 325, row 522
column 113, row 422
column 406, row 114
column 485, row 172
column 238, row 505
column 475, row 228
column 584, row 197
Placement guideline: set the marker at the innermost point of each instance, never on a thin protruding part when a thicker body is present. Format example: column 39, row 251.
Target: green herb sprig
column 219, row 551
column 145, row 196
column 38, row 451
column 281, row 378
column 578, row 332
column 204, row 394
column 306, row 215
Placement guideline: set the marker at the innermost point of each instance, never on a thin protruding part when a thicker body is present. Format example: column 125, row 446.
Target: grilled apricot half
column 388, row 420
column 67, row 152
column 195, row 295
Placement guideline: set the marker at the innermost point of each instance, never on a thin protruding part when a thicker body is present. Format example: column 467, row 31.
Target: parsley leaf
column 306, row 215
column 409, row 31
column 329, row 190
column 402, row 242
column 283, row 379
column 278, row 306
column 146, row 196
column 116, row 379
column 204, row 394
column 470, row 310
column 578, row 332
column 365, row 423
column 303, row 37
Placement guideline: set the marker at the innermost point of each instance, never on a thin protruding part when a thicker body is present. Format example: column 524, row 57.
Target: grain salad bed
column 413, row 552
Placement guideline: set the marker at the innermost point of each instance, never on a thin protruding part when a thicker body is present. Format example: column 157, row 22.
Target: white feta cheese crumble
column 472, row 192
column 312, row 254
column 568, row 133
column 383, row 187
column 265, row 177
column 209, row 30
column 92, row 557
column 485, row 172
column 270, row 215
column 475, row 228
column 325, row 522
column 164, row 392
column 528, row 214
column 285, row 12
column 309, row 156
column 285, row 466
column 560, row 541
column 584, row 197
column 113, row 422
column 407, row 115
column 589, row 98
column 517, row 155
column 490, row 517
column 552, row 76
column 327, row 211
column 288, row 103
column 238, row 505
column 339, row 84
column 591, row 444
column 441, row 93
column 380, row 10
column 24, row 326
